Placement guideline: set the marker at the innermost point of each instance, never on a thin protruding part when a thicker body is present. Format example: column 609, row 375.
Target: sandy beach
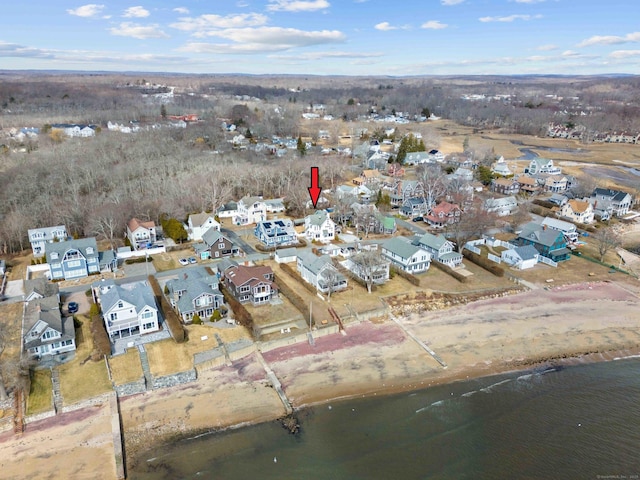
column 576, row 323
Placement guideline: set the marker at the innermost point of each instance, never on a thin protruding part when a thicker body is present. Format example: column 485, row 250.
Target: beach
column 575, row 323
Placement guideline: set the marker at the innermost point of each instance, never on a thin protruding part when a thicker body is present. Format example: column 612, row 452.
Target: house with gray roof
column 276, row 233
column 320, row 272
column 250, row 210
column 215, row 245
column 40, row 288
column 199, row 223
column 72, row 258
column 406, row 256
column 195, row 294
column 502, row 206
column 417, row 158
column 549, row 242
column 522, row 257
column 38, row 237
column 441, row 249
column 48, row 336
column 614, row 202
column 127, row 309
column 319, row 227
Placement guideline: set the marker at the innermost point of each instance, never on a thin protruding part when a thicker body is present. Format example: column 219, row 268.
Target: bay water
column 578, row 422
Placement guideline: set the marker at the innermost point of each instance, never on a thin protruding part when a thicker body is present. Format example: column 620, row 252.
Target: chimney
column 595, row 204
column 544, row 227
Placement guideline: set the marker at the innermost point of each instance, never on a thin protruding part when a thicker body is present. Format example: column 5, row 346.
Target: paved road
column 415, row 227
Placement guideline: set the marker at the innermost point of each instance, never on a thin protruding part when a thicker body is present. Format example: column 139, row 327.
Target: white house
column 141, row 233
column 441, row 249
column 319, row 227
column 501, row 206
column 543, row 165
column 199, row 223
column 39, row 236
column 250, row 210
column 47, row 334
column 128, row 309
column 320, row 272
column 521, row 257
column 578, row 211
column 500, row 167
column 567, row 228
column 406, row 256
column 615, row 202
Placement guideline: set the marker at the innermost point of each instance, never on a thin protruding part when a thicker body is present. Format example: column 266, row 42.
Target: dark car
column 418, row 219
column 73, row 307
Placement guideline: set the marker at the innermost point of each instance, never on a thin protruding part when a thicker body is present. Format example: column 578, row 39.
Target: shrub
column 94, row 310
column 294, row 274
column 412, row 279
column 87, row 292
column 101, row 343
column 171, row 317
column 243, row 317
column 77, row 323
column 130, row 261
column 196, row 320
column 485, row 263
column 295, row 299
column 216, row 316
column 447, row 269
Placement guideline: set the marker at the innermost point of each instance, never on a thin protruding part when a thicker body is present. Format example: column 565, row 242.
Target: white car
column 183, row 261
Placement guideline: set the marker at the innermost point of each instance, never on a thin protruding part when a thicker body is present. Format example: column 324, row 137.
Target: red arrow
column 314, row 189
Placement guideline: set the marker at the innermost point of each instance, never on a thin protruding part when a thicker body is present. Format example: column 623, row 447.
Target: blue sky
column 345, row 37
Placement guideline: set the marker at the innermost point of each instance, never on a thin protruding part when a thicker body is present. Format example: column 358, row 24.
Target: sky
column 324, row 37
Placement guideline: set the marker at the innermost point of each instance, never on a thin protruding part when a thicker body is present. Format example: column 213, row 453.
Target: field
column 126, row 368
column 40, row 394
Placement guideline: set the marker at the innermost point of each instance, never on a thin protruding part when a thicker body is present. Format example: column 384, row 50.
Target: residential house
column 3, row 267
column 506, row 186
column 463, row 174
column 40, row 236
column 501, row 206
column 405, row 189
column 40, row 287
column 215, row 245
column 405, row 255
column 128, row 309
column 286, row 255
column 369, row 178
column 578, row 211
column 417, row 158
column 436, row 156
column 443, row 214
column 616, row 202
column 385, row 224
column 441, row 249
column 543, row 165
column 275, row 205
column 521, row 257
column 413, row 207
column 251, row 284
column 228, row 210
column 75, row 130
column 276, row 233
column 361, row 193
column 72, row 258
column 199, row 223
column 528, row 185
column 501, row 168
column 250, row 210
column 47, row 334
column 558, row 199
column 141, row 234
column 320, row 272
column 195, row 294
column 369, row 268
column 319, row 227
column 550, row 243
column 567, row 228
column 555, row 183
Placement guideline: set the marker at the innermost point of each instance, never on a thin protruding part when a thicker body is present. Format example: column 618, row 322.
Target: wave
column 488, row 389
column 434, row 404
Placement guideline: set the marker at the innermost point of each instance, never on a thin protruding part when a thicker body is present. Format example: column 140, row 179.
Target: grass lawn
column 40, row 396
column 166, row 261
column 78, row 380
column 574, row 270
column 267, row 314
column 126, row 368
column 167, row 357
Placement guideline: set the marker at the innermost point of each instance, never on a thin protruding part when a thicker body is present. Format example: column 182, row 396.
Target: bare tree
column 108, row 221
column 370, row 267
column 432, row 179
column 474, row 221
column 331, row 277
column 606, row 239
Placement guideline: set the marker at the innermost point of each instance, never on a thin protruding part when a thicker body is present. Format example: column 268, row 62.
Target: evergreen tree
column 163, row 111
column 302, row 147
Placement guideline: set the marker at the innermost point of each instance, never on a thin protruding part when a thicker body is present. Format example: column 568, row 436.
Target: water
column 556, row 423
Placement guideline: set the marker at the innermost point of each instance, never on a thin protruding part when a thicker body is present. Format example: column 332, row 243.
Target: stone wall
column 175, row 379
column 39, row 416
column 99, row 400
column 132, row 388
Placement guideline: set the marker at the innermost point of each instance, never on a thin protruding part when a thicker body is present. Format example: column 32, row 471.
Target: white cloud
column 135, row 30
column 181, row 10
column 547, row 48
column 448, row 3
column 264, row 39
column 15, row 50
column 87, row 11
column 509, row 18
column 136, row 12
column 434, row 25
column 210, row 24
column 624, row 53
column 242, row 4
column 297, row 5
column 610, row 39
column 322, row 55
column 384, row 26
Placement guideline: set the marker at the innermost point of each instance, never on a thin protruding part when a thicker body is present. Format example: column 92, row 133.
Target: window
column 74, row 263
column 120, row 304
column 114, row 316
column 220, row 246
column 148, row 326
column 54, row 255
column 146, row 315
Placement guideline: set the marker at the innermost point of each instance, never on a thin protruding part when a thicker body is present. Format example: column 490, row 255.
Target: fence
column 547, row 261
column 494, row 258
column 472, row 248
column 141, row 253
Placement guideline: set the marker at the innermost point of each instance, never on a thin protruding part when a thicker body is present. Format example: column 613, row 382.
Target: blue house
column 72, row 259
column 550, row 243
column 276, row 233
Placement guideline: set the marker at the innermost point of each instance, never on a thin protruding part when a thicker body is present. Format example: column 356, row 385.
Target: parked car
column 193, row 260
column 73, row 307
column 418, row 219
column 183, row 261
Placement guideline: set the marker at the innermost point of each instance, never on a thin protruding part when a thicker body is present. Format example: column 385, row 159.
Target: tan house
column 140, row 233
column 555, row 183
column 578, row 211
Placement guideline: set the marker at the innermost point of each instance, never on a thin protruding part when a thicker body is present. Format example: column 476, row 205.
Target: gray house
column 440, row 248
column 72, row 259
column 320, row 272
column 39, row 237
column 405, row 255
column 195, row 294
column 47, row 334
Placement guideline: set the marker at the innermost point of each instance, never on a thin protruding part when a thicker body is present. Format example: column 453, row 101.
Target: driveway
column 235, row 238
column 79, row 297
